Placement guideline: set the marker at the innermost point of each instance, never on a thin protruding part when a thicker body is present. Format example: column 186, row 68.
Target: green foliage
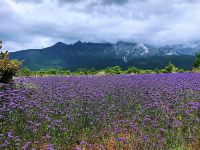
column 157, row 71
column 8, row 68
column 170, row 68
column 113, row 70
column 181, row 70
column 25, row 72
column 52, row 72
column 196, row 63
column 132, row 70
column 81, row 71
column 92, row 71
column 42, row 72
column 63, row 72
column 196, row 69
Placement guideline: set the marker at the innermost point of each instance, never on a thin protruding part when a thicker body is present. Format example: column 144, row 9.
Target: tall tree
column 196, row 63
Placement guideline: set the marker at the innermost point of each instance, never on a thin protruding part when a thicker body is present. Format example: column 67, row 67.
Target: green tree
column 170, row 68
column 114, row 70
column 25, row 72
column 132, row 70
column 8, row 68
column 196, row 63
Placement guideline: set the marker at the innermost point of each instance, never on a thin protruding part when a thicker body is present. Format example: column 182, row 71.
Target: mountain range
column 101, row 55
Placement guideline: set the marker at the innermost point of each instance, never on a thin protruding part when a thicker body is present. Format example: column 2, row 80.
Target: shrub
column 114, row 70
column 170, row 68
column 180, row 70
column 196, row 69
column 52, row 72
column 132, row 70
column 25, row 72
column 8, row 68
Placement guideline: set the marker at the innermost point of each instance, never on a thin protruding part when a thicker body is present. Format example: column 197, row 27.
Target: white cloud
column 40, row 23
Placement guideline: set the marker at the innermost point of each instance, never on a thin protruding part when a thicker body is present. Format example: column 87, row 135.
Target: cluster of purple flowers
column 150, row 111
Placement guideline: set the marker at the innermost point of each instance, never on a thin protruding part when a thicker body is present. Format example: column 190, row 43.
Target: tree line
column 110, row 70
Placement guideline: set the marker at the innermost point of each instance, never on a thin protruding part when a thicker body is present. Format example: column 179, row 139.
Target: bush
column 170, row 68
column 132, row 70
column 196, row 69
column 52, row 72
column 180, row 70
column 25, row 72
column 8, row 68
column 113, row 70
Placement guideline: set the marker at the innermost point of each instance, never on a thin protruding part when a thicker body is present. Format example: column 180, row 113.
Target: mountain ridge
column 99, row 55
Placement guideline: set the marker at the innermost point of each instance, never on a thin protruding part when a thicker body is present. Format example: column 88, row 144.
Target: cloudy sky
column 28, row 24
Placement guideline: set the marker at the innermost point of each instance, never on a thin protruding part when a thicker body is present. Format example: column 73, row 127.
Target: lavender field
column 112, row 112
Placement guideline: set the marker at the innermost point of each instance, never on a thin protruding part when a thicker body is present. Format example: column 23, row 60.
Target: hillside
column 102, row 55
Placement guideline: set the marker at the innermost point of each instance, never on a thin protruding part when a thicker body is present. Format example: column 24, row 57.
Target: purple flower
column 83, row 143
column 122, row 139
column 162, row 140
column 140, row 104
column 10, row 134
column 162, row 129
column 50, row 147
column 47, row 136
column 78, row 148
column 145, row 137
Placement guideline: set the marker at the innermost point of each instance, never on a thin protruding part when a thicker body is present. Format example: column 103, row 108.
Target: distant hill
column 102, row 55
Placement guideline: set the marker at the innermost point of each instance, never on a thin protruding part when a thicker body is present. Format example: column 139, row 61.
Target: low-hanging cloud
column 41, row 23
